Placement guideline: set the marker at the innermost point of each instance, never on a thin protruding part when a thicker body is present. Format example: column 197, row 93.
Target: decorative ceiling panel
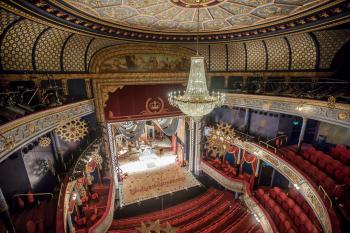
column 278, row 54
column 236, row 56
column 256, row 55
column 74, row 53
column 17, row 45
column 6, row 18
column 215, row 15
column 303, row 51
column 48, row 50
column 330, row 42
column 218, row 57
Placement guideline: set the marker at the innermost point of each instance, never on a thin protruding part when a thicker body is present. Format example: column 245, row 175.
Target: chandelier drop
column 196, row 101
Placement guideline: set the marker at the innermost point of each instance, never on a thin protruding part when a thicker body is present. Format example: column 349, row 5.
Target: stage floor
column 152, row 176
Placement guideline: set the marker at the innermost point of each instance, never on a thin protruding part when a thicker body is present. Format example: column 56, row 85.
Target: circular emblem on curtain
column 154, row 105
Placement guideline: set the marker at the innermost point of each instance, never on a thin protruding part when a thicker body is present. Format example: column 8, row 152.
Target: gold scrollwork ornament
column 44, row 142
column 72, row 131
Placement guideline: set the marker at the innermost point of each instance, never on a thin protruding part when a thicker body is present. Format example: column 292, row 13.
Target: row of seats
column 287, row 215
column 341, row 153
column 221, row 213
column 315, row 170
column 184, row 207
column 300, row 200
column 333, row 167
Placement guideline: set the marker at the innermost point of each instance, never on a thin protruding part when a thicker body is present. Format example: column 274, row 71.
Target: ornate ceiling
column 175, row 20
column 181, row 15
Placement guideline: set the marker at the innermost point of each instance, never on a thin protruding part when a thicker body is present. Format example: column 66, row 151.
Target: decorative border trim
column 229, row 183
column 313, row 109
column 29, row 127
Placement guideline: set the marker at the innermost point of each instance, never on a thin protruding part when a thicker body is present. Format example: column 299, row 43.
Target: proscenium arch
column 132, row 49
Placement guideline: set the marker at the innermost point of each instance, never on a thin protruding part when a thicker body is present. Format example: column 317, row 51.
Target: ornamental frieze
column 16, row 133
column 338, row 113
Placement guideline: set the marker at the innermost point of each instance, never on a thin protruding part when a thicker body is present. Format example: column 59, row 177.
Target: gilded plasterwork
column 74, row 53
column 48, row 50
column 276, row 49
column 236, row 57
column 303, row 51
column 17, row 45
column 6, row 18
column 218, row 57
column 330, row 43
column 256, row 55
column 180, row 15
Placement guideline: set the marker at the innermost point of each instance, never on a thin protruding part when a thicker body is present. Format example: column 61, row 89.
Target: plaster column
column 57, row 151
column 246, row 120
column 239, row 155
column 226, row 82
column 191, row 150
column 197, row 148
column 65, row 86
column 257, row 168
column 88, row 88
column 302, row 133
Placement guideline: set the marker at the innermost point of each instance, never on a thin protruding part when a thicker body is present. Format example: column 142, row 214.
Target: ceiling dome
column 180, row 16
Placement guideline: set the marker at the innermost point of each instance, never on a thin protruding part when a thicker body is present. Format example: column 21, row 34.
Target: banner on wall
column 138, row 102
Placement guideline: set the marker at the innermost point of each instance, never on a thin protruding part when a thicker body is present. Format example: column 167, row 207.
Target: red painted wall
column 141, row 102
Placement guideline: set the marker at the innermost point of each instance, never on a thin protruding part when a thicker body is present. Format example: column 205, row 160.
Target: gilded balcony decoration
column 18, row 132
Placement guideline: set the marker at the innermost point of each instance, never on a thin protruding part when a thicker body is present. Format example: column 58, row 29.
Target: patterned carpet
column 152, row 183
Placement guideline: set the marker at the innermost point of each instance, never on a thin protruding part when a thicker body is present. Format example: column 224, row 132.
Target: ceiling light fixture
column 196, row 102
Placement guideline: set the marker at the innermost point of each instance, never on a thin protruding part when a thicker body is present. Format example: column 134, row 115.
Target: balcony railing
column 326, row 111
column 23, row 130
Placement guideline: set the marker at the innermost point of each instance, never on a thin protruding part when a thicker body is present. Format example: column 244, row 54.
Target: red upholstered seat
column 30, row 227
column 296, row 211
column 320, row 177
column 329, row 185
column 260, row 192
column 312, row 171
column 322, row 163
column 293, row 193
column 282, row 216
column 347, row 180
column 271, row 203
column 287, row 225
column 315, row 157
column 339, row 176
column 291, row 230
column 305, row 154
column 277, row 189
column 276, row 210
column 290, row 203
column 330, row 168
column 301, row 219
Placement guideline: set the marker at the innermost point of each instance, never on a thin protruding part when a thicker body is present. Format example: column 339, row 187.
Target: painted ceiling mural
column 181, row 15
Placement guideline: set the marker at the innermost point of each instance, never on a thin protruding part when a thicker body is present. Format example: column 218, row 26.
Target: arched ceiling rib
column 27, row 46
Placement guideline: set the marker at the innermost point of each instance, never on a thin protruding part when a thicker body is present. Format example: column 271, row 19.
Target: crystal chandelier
column 196, row 101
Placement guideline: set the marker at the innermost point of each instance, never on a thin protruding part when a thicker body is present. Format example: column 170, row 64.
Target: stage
column 151, row 175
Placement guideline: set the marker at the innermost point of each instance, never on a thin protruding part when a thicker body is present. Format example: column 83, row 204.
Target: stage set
column 149, row 158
